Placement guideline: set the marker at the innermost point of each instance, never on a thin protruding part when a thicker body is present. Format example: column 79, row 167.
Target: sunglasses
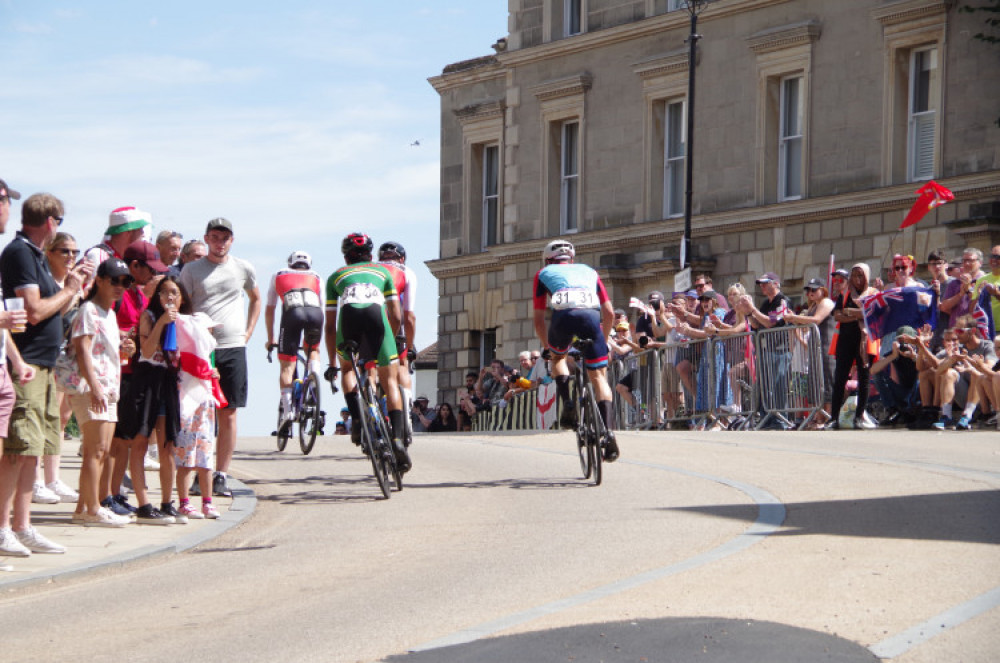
column 66, row 252
column 123, row 281
column 994, row 256
column 900, row 268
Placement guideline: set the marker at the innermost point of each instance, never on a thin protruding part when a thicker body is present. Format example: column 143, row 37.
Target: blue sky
column 295, row 120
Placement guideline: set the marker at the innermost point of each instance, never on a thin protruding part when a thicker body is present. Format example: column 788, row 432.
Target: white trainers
column 104, row 518
column 33, row 540
column 10, row 546
column 64, row 492
column 42, row 495
column 150, row 463
column 189, row 511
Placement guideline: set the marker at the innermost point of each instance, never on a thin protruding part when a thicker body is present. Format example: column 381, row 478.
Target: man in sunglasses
column 960, row 295
column 991, row 283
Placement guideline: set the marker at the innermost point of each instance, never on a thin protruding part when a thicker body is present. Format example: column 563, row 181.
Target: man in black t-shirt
column 774, row 347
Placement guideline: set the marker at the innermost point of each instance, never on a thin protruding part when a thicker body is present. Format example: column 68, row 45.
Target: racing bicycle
column 306, row 411
column 591, row 433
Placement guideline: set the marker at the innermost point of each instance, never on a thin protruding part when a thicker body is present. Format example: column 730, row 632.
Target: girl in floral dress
column 96, row 339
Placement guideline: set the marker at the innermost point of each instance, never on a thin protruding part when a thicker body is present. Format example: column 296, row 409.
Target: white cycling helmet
column 558, row 249
column 299, row 258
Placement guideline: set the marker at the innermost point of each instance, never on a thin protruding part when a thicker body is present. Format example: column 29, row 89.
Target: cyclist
column 392, row 256
column 368, row 314
column 580, row 309
column 298, row 288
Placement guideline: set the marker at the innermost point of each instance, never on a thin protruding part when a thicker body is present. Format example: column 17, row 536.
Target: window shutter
column 922, row 158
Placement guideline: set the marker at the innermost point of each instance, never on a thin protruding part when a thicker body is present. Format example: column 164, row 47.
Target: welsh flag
column 930, row 195
column 195, row 344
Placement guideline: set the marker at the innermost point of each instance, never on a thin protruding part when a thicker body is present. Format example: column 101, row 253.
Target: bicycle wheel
column 374, row 441
column 309, row 414
column 389, row 455
column 284, row 432
column 595, row 433
column 582, row 448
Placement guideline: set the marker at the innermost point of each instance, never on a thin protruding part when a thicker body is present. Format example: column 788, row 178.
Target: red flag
column 930, row 196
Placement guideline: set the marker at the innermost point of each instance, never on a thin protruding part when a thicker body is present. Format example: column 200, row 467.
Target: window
column 924, row 92
column 790, row 140
column 674, row 5
column 674, row 151
column 488, row 347
column 569, row 177
column 491, row 194
column 572, row 17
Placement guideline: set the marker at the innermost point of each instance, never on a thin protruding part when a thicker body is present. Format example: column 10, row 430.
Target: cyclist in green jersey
column 362, row 305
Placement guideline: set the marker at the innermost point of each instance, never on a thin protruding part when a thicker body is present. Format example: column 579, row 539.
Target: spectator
column 194, row 250
column 739, row 354
column 34, row 423
column 419, row 418
column 469, row 400
column 492, row 383
column 622, row 346
column 955, row 268
column 340, row 428
column 703, row 282
column 445, row 421
column 895, row 375
column 819, row 314
column 169, row 244
column 776, row 360
column 991, row 283
column 964, row 373
column 713, row 383
column 903, row 270
column 853, row 345
column 937, row 264
column 959, row 296
column 345, row 417
column 216, row 284
column 125, row 226
column 838, row 283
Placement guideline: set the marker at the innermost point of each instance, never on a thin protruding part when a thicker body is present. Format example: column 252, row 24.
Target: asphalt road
column 709, row 547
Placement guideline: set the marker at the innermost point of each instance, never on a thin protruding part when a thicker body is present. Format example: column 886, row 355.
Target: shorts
column 627, row 381
column 232, row 366
column 34, row 422
column 6, row 400
column 570, row 324
column 300, row 324
column 368, row 326
column 83, row 413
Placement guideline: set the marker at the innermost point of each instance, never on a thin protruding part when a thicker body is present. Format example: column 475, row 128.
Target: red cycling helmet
column 356, row 245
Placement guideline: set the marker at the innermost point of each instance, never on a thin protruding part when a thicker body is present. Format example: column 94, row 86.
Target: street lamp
column 694, row 8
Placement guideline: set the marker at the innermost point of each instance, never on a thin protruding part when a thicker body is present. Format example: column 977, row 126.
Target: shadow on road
column 692, row 640
column 968, row 517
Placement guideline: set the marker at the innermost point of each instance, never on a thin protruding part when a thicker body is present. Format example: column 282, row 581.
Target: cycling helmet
column 391, row 248
column 356, row 245
column 558, row 250
column 299, row 258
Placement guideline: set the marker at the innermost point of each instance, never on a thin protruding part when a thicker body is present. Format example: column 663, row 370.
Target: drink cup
column 15, row 304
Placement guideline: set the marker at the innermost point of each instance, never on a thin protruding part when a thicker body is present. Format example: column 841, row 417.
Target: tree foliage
column 992, row 9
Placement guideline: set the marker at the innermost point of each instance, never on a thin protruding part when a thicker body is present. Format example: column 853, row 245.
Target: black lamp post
column 694, row 8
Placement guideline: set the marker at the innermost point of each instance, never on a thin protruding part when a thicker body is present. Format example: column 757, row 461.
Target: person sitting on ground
column 445, row 421
column 959, row 373
column 895, row 375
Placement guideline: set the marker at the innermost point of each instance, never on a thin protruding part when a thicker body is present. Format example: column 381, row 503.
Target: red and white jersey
column 405, row 280
column 294, row 287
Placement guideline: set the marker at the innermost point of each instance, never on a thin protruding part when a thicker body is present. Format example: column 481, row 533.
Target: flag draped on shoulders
column 891, row 309
column 195, row 345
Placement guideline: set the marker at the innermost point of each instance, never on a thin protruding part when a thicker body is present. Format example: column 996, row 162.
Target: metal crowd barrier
column 642, row 371
column 790, row 375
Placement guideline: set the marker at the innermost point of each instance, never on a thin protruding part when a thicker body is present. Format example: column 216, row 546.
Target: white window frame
column 573, row 8
column 674, row 5
column 789, row 141
column 569, row 176
column 674, row 160
column 491, row 157
column 920, row 140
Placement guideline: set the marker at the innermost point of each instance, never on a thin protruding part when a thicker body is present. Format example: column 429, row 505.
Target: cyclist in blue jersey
column 580, row 309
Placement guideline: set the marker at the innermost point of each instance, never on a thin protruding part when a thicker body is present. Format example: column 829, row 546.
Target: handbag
column 67, row 372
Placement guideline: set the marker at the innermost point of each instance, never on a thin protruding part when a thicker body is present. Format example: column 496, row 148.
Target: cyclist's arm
column 269, row 324
column 540, row 330
column 410, row 327
column 392, row 311
column 607, row 317
column 330, row 333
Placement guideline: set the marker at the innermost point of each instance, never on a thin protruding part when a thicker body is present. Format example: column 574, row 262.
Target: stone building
column 815, row 122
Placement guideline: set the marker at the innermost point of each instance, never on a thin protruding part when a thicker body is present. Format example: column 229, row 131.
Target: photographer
column 492, row 384
column 961, row 373
column 420, row 417
column 899, row 385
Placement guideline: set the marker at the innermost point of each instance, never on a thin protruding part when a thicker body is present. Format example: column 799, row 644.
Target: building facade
column 814, row 123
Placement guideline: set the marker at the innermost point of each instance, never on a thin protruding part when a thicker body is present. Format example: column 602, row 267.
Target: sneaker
column 220, row 485
column 42, row 495
column 963, row 423
column 147, row 515
column 567, row 420
column 105, row 518
column 65, row 493
column 33, row 540
column 167, row 509
column 610, row 448
column 188, row 511
column 944, row 423
column 209, row 511
column 79, row 518
column 149, row 463
column 122, row 501
column 115, row 508
column 10, row 546
column 402, row 457
column 993, row 420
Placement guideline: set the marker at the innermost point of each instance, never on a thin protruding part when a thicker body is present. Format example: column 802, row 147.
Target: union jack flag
column 887, row 311
column 983, row 313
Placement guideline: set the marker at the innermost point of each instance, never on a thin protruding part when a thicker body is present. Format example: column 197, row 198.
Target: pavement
column 90, row 549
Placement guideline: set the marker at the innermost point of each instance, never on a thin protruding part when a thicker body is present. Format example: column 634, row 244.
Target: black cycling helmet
column 391, row 248
column 356, row 246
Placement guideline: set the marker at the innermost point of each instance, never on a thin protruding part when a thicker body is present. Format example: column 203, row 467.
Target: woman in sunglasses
column 96, row 341
column 903, row 269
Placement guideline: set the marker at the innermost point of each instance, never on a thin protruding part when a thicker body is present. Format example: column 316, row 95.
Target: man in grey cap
column 216, row 284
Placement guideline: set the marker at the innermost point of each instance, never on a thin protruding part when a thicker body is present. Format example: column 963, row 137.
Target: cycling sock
column 562, row 388
column 353, row 400
column 607, row 414
column 396, row 419
column 969, row 410
column 286, row 398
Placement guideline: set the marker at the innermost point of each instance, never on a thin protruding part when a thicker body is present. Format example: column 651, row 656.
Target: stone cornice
column 909, row 10
column 652, row 233
column 491, row 70
column 675, row 62
column 563, row 87
column 788, row 36
column 483, row 110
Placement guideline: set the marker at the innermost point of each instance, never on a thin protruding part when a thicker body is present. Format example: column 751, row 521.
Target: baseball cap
column 812, row 284
column 906, row 330
column 842, row 273
column 219, row 223
column 769, row 277
column 708, row 294
column 7, row 191
column 623, row 325
column 147, row 253
column 655, row 294
column 112, row 267
column 692, row 294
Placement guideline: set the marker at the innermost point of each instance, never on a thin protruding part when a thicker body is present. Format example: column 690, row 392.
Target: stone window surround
column 482, row 125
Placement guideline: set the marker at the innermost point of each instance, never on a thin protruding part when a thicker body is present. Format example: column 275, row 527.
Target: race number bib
column 362, row 293
column 295, row 298
column 574, row 298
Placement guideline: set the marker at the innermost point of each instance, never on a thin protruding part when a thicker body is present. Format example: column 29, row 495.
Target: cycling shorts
column 367, row 326
column 299, row 325
column 585, row 323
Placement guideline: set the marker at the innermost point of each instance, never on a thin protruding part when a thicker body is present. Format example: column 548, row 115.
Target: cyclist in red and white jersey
column 392, row 256
column 298, row 290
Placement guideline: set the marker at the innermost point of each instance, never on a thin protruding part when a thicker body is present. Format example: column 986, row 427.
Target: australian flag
column 887, row 311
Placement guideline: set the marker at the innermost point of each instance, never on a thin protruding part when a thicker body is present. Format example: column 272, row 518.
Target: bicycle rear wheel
column 389, row 455
column 309, row 414
column 582, row 448
column 373, row 440
column 284, row 432
column 595, row 433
